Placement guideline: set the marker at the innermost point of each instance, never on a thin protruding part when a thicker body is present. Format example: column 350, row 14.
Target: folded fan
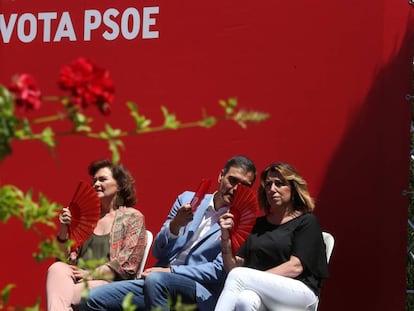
column 244, row 208
column 200, row 193
column 85, row 209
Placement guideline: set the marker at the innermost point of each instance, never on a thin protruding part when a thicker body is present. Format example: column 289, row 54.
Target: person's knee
column 156, row 287
column 56, row 266
column 93, row 301
column 154, row 280
column 238, row 273
column 248, row 300
column 57, row 269
column 156, row 290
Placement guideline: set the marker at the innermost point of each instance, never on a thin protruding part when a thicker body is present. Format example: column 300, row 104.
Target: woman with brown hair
column 118, row 239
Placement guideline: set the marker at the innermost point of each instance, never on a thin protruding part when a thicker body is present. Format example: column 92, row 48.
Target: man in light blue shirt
column 187, row 248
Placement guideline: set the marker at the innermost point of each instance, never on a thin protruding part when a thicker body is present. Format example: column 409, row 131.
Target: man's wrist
column 225, row 249
column 223, row 239
column 225, row 245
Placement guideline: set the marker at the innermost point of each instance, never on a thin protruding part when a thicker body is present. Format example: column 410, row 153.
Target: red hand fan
column 244, row 209
column 85, row 209
column 200, row 193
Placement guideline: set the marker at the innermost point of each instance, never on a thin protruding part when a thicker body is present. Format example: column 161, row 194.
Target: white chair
column 329, row 245
column 141, row 267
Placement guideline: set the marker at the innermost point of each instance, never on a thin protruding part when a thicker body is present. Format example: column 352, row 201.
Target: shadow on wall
column 361, row 201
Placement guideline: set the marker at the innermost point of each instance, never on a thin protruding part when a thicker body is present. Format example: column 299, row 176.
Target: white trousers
column 253, row 290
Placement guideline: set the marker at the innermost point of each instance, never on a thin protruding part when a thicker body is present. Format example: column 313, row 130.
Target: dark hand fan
column 200, row 193
column 85, row 209
column 244, row 209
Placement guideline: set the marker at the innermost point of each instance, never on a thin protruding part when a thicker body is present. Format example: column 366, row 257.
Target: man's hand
column 182, row 218
column 146, row 272
column 226, row 222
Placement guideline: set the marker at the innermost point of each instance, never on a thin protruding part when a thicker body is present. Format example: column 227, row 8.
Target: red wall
column 332, row 74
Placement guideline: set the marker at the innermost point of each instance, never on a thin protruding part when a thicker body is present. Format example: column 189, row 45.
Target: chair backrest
column 329, row 243
column 141, row 267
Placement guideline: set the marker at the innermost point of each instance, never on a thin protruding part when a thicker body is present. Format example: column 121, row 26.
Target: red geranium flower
column 88, row 85
column 27, row 94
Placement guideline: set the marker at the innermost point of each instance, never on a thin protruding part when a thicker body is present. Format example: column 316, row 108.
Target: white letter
column 148, row 21
column 111, row 24
column 46, row 17
column 89, row 24
column 65, row 28
column 6, row 30
column 136, row 20
column 32, row 27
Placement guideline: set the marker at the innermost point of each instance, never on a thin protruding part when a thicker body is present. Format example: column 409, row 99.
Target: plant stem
column 57, row 117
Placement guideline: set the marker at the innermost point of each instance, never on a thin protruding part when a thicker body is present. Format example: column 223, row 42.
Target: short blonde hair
column 301, row 198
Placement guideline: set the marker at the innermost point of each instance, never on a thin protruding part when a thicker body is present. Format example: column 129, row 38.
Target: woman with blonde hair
column 283, row 261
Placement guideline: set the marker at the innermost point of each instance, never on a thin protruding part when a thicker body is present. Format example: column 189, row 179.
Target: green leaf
column 111, row 132
column 208, row 121
column 8, row 126
column 26, row 126
column 79, row 120
column 6, row 103
column 33, row 213
column 49, row 249
column 229, row 105
column 36, row 307
column 243, row 117
column 13, row 202
column 83, row 128
column 5, row 147
column 10, row 201
column 48, row 137
column 127, row 304
column 141, row 122
column 103, row 135
column 5, row 294
column 170, row 121
column 113, row 147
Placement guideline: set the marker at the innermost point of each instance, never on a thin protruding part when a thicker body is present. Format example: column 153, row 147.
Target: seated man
column 190, row 264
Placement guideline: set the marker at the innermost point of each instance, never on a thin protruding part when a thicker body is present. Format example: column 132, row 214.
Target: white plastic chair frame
column 329, row 245
column 141, row 267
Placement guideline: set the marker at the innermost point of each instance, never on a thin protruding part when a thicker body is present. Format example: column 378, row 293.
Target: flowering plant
column 86, row 85
column 27, row 94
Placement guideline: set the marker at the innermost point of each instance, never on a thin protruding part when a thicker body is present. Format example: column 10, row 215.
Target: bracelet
column 60, row 240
